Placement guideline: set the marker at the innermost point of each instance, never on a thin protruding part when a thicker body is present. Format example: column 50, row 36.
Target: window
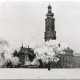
column 63, row 58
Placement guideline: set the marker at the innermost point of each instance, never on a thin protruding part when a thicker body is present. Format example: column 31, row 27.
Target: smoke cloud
column 45, row 51
column 49, row 50
column 6, row 54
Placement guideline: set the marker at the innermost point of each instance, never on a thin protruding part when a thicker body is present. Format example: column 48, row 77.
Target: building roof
column 67, row 49
column 77, row 54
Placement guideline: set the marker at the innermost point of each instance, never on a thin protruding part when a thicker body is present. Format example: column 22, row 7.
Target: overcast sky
column 24, row 22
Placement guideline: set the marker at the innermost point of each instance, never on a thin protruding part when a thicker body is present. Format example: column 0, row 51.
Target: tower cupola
column 49, row 14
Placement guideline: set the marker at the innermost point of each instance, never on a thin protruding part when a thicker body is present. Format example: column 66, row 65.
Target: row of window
column 68, row 53
column 66, row 64
column 66, row 59
column 70, row 59
column 69, row 65
column 77, row 59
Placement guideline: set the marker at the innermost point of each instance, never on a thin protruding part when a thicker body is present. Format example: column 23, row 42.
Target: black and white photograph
column 40, row 35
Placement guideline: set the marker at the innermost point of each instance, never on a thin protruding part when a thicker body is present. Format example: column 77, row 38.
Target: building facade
column 69, row 60
column 76, row 61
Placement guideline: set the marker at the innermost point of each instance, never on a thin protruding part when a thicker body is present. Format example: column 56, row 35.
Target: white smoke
column 34, row 62
column 45, row 51
column 49, row 50
column 6, row 54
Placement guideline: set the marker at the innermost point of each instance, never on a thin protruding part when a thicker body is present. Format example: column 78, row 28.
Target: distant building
column 76, row 60
column 69, row 60
column 50, row 33
column 25, row 54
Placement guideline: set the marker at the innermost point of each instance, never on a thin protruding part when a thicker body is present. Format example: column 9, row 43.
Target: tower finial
column 49, row 7
column 22, row 45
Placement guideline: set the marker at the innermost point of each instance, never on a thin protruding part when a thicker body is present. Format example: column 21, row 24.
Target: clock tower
column 50, row 33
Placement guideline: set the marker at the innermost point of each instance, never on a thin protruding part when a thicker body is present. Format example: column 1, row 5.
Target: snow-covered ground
column 39, row 74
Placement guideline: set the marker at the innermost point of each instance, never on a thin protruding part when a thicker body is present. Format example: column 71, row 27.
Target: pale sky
column 24, row 22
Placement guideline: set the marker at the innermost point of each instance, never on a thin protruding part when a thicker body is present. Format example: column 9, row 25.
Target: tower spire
column 49, row 14
column 49, row 7
column 22, row 45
